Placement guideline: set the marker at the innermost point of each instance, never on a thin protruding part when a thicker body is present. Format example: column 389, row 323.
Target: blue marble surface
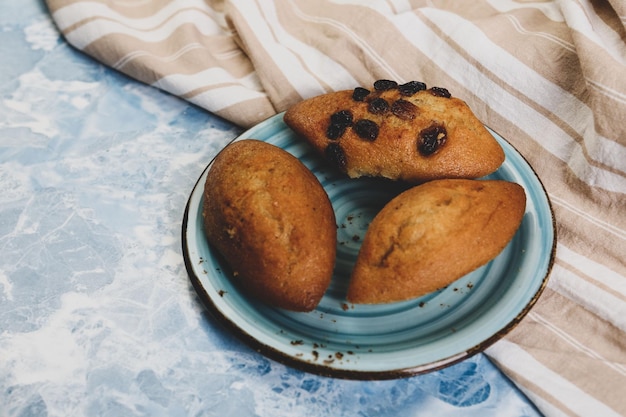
column 97, row 314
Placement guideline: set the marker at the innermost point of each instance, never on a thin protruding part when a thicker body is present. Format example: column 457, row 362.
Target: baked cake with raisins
column 398, row 131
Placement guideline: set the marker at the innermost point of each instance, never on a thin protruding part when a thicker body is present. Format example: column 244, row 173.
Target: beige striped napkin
column 550, row 76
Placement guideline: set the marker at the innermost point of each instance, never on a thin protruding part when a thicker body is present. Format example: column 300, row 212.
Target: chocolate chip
column 440, row 92
column 360, row 93
column 383, row 85
column 378, row 106
column 336, row 156
column 403, row 109
column 412, row 87
column 339, row 122
column 431, row 139
column 366, row 129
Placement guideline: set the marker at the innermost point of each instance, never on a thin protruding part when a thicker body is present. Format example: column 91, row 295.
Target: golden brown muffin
column 272, row 221
column 431, row 235
column 404, row 132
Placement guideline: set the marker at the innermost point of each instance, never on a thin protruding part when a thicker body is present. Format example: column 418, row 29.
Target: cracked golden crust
column 433, row 234
column 272, row 221
column 469, row 150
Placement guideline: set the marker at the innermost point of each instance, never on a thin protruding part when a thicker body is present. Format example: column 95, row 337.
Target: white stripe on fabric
column 538, row 89
column 499, row 62
column 600, row 272
column 121, row 63
column 581, row 17
column 611, row 154
column 552, row 38
column 543, row 404
column 365, row 47
column 219, row 98
column 379, row 6
column 400, row 6
column 549, row 9
column 576, row 345
column 98, row 28
column 76, row 12
column 607, row 91
column 523, row 363
column 131, row 3
column 595, row 176
column 181, row 84
column 290, row 66
column 598, row 301
column 331, row 72
column 608, row 227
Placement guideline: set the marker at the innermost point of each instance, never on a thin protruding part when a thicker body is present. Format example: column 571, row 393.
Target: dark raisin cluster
column 429, row 139
column 411, row 88
column 339, row 122
column 378, row 106
column 366, row 129
column 405, row 110
column 336, row 156
column 384, row 85
column 440, row 92
column 360, row 93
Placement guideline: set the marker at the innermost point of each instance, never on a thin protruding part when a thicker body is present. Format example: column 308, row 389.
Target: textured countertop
column 97, row 314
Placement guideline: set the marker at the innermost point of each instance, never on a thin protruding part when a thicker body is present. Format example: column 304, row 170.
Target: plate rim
column 352, row 374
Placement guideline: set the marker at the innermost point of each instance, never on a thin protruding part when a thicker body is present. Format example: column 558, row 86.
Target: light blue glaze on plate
column 379, row 341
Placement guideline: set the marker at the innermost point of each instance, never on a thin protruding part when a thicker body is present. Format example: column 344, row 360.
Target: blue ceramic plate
column 379, row 341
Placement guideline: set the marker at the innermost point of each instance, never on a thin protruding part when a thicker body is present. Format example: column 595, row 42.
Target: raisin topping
column 342, row 117
column 383, row 85
column 431, row 139
column 360, row 93
column 405, row 110
column 336, row 156
column 335, row 132
column 412, row 87
column 378, row 106
column 440, row 92
column 339, row 121
column 366, row 129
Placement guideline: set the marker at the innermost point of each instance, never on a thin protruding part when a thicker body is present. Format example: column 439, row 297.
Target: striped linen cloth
column 550, row 76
